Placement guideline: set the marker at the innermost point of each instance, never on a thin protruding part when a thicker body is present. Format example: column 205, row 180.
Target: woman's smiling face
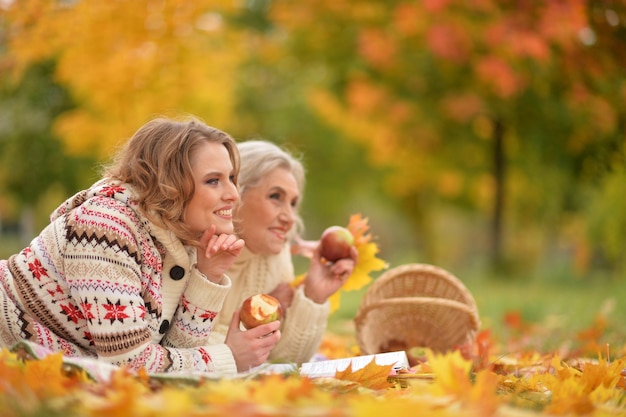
column 215, row 192
column 268, row 212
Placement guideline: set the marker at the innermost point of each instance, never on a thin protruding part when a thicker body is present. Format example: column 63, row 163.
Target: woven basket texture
column 416, row 305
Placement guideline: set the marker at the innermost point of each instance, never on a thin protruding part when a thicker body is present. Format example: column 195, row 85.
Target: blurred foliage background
column 487, row 137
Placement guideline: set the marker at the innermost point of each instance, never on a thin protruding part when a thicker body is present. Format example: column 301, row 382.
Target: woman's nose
column 288, row 214
column 231, row 193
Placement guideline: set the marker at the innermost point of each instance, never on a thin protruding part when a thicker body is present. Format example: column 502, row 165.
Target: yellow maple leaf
column 483, row 394
column 452, row 373
column 372, row 376
column 453, row 378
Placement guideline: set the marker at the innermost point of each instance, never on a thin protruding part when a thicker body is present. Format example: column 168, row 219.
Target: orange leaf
column 371, row 376
column 359, row 227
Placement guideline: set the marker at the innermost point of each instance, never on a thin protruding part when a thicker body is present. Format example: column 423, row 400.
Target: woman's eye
column 232, row 179
column 212, row 181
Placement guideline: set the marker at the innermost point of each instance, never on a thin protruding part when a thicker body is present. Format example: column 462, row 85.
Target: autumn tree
column 494, row 105
column 125, row 62
column 500, row 108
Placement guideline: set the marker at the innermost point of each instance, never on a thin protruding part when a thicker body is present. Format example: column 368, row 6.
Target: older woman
column 271, row 184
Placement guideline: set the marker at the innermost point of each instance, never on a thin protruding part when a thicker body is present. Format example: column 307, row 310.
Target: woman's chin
column 225, row 229
column 267, row 250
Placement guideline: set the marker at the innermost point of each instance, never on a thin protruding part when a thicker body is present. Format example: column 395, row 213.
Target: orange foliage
column 449, row 42
column 419, row 65
column 408, row 20
column 591, row 337
column 365, row 98
column 377, row 48
column 499, row 76
column 531, row 45
column 514, row 320
column 462, row 107
column 562, row 21
column 435, row 6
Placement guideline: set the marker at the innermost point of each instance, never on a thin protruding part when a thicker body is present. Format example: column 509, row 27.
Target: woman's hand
column 284, row 294
column 303, row 247
column 251, row 347
column 324, row 278
column 217, row 253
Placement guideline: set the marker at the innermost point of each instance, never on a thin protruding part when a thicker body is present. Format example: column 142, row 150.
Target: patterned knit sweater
column 102, row 281
column 305, row 321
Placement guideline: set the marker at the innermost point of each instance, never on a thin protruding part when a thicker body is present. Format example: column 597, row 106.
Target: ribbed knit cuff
column 304, row 304
column 222, row 358
column 218, row 334
column 202, row 292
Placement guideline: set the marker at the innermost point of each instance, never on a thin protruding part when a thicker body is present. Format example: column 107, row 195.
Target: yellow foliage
column 365, row 130
column 550, row 386
column 452, row 373
column 128, row 61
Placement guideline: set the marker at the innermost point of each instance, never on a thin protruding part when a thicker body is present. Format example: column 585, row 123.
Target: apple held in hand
column 336, row 242
column 260, row 309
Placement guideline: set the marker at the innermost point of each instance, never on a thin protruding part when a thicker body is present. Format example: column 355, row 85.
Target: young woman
column 271, row 184
column 132, row 270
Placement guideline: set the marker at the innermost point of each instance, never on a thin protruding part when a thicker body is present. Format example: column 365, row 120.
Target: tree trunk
column 498, row 202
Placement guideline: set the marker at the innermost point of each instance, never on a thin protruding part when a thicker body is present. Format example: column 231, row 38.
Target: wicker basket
column 416, row 305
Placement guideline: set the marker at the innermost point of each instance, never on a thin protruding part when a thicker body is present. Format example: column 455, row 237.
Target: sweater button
column 164, row 326
column 177, row 272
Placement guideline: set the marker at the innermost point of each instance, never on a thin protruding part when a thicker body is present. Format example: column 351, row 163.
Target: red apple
column 336, row 242
column 260, row 309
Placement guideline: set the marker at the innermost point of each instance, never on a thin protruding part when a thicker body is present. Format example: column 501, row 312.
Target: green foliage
column 33, row 158
column 607, row 220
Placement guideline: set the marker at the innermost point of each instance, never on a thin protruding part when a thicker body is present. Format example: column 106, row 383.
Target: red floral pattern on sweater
column 93, row 284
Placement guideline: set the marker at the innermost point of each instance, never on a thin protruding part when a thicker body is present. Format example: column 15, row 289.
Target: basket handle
column 417, row 300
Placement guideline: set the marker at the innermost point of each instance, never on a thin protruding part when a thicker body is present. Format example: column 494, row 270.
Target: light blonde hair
column 258, row 159
column 156, row 162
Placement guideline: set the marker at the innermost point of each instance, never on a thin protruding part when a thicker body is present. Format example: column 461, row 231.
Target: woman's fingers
column 224, row 242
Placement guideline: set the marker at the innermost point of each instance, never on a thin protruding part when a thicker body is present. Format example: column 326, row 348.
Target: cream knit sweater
column 101, row 281
column 304, row 324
